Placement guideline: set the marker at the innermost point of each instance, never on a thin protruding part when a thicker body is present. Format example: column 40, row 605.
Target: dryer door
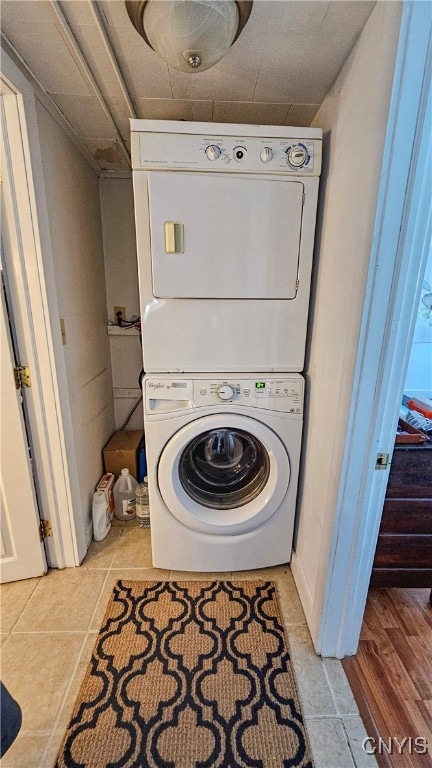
column 228, row 237
column 223, row 474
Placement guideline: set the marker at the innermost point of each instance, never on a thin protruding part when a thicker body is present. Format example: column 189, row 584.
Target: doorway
column 401, row 243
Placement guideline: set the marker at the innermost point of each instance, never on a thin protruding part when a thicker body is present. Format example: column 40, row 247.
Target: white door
column 217, row 236
column 22, row 553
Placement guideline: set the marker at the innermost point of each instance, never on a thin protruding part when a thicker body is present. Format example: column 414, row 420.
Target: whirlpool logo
column 168, row 385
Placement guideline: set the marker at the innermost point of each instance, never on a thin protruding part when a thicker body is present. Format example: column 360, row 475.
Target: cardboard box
column 106, row 484
column 120, row 451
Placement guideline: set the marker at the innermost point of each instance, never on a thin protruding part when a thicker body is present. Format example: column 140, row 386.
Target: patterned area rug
column 188, row 675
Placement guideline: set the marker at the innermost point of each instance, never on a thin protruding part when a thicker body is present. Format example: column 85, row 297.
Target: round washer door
column 223, row 474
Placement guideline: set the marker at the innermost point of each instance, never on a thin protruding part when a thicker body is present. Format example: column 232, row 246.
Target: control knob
column 239, row 153
column 225, row 392
column 297, row 156
column 213, row 152
column 266, row 154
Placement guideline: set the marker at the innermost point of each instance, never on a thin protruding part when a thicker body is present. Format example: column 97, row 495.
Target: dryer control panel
column 294, row 155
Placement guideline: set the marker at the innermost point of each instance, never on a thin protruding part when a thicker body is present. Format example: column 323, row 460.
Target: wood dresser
column 403, row 557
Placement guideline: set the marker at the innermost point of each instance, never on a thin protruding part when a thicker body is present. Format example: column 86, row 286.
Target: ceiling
column 99, row 72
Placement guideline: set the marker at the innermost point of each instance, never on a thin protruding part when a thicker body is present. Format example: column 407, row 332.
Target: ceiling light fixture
column 190, row 35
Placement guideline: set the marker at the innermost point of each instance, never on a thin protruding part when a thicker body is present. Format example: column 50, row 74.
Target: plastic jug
column 100, row 515
column 124, row 496
column 142, row 504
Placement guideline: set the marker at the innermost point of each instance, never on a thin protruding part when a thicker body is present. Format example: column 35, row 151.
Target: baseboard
column 302, row 588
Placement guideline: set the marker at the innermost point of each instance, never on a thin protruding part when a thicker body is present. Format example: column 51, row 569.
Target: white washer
column 223, row 458
column 225, row 222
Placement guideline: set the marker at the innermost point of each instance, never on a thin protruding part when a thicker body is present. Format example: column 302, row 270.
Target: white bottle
column 101, row 516
column 142, row 504
column 124, row 496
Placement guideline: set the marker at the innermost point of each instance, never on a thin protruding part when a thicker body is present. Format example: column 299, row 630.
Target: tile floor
column 49, row 627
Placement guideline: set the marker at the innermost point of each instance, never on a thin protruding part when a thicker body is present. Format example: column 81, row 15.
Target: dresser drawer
column 401, row 577
column 407, row 516
column 400, row 551
column 411, row 472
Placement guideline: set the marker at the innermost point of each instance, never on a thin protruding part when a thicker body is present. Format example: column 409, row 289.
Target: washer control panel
column 252, row 154
column 168, row 393
column 276, row 394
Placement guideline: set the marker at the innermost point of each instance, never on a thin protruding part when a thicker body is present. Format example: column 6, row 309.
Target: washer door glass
column 224, row 468
column 223, row 474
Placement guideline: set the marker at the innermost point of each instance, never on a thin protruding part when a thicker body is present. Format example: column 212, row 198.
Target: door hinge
column 303, row 198
column 22, row 376
column 382, row 461
column 297, row 284
column 45, row 529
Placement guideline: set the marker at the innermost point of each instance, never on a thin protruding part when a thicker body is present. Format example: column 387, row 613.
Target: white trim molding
column 401, row 239
column 31, row 283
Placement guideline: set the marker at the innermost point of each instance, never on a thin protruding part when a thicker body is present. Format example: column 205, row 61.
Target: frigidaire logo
column 155, row 385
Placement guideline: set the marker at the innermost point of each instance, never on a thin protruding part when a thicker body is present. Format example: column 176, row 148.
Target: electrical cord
column 135, row 406
column 132, row 324
column 131, row 412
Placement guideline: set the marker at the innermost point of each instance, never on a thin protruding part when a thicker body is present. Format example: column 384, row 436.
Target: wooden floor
column 391, row 675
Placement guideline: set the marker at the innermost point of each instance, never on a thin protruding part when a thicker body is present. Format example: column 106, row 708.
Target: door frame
column 22, row 552
column 401, row 239
column 30, row 275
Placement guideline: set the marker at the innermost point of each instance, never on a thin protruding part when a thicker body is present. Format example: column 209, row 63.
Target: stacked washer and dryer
column 225, row 221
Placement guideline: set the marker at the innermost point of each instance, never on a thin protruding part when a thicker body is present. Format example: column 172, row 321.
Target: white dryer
column 223, row 459
column 225, row 222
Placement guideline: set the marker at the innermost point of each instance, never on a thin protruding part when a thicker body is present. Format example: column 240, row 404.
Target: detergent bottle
column 100, row 516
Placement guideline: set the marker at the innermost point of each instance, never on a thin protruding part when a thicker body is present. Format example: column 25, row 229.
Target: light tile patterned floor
column 49, row 626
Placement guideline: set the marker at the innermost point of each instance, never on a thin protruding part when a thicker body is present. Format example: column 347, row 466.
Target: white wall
column 354, row 117
column 121, row 273
column 72, row 190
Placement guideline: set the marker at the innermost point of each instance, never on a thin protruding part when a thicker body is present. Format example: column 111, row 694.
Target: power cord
column 135, row 406
column 132, row 323
column 131, row 412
